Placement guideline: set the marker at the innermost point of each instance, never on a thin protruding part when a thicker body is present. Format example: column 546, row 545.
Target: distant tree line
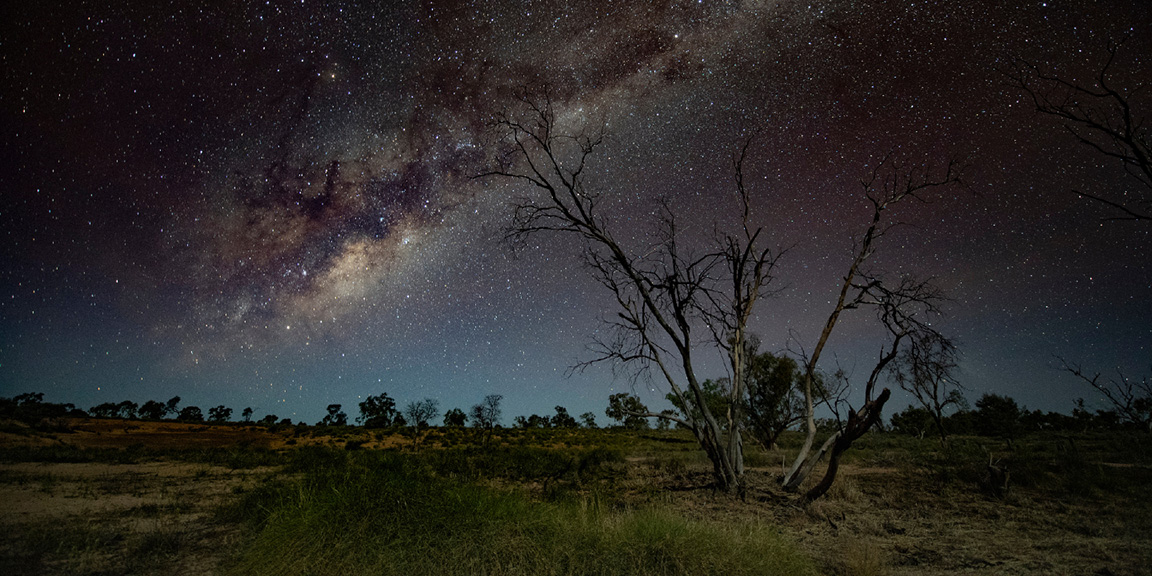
column 1000, row 416
column 771, row 407
column 378, row 411
column 561, row 419
column 31, row 408
column 774, row 400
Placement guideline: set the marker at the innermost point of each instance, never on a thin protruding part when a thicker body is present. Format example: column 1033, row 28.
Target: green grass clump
column 372, row 513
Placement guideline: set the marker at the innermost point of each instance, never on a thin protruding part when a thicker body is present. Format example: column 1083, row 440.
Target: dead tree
column 670, row 301
column 418, row 414
column 925, row 370
column 486, row 415
column 1104, row 118
column 902, row 309
column 1131, row 398
column 1100, row 116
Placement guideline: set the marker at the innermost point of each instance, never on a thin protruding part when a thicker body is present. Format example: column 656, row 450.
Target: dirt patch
column 154, row 517
column 33, row 492
column 888, row 520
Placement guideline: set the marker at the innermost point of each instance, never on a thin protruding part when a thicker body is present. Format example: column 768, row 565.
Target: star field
column 273, row 204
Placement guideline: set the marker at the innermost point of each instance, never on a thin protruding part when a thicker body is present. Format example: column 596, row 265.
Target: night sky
column 271, row 204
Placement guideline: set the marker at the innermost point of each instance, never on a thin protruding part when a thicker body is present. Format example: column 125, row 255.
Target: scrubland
column 90, row 496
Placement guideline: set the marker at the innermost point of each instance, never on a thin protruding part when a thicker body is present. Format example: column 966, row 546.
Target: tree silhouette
column 1104, row 118
column 672, row 301
column 997, row 416
column 378, row 411
column 588, row 420
column 455, row 417
column 152, row 410
column 627, row 410
column 105, row 410
column 334, row 417
column 563, row 420
column 171, row 407
column 486, row 414
column 190, row 414
column 219, row 413
column 127, row 410
column 925, row 370
column 421, row 412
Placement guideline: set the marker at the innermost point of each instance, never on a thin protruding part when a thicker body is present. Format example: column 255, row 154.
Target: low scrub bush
column 525, row 463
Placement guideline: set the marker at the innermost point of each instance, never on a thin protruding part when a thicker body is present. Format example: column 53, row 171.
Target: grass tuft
column 862, row 558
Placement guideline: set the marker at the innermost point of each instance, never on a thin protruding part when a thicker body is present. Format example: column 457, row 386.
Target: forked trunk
column 724, row 469
column 804, row 467
column 859, row 423
column 803, row 464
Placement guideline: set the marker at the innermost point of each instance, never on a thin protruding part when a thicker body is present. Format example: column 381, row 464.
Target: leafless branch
column 1101, row 117
column 1131, row 398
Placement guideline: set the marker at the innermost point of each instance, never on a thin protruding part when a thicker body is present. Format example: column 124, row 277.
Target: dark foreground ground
column 91, row 496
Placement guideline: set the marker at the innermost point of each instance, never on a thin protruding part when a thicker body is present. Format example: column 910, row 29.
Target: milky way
column 274, row 204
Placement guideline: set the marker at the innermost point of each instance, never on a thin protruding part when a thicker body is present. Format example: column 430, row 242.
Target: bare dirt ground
column 150, row 517
column 884, row 520
column 105, row 518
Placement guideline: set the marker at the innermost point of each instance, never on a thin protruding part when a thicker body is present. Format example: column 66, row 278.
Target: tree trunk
column 825, row 483
column 723, row 469
column 809, row 464
column 794, row 477
column 859, row 423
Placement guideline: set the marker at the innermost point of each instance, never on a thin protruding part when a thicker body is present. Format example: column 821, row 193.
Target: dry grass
column 898, row 507
column 860, row 557
column 897, row 513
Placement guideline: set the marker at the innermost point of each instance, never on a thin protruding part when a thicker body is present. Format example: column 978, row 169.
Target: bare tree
column 421, row 412
column 664, row 292
column 486, row 414
column 1131, row 398
column 925, row 370
column 1100, row 116
column 1104, row 117
column 418, row 414
column 902, row 308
